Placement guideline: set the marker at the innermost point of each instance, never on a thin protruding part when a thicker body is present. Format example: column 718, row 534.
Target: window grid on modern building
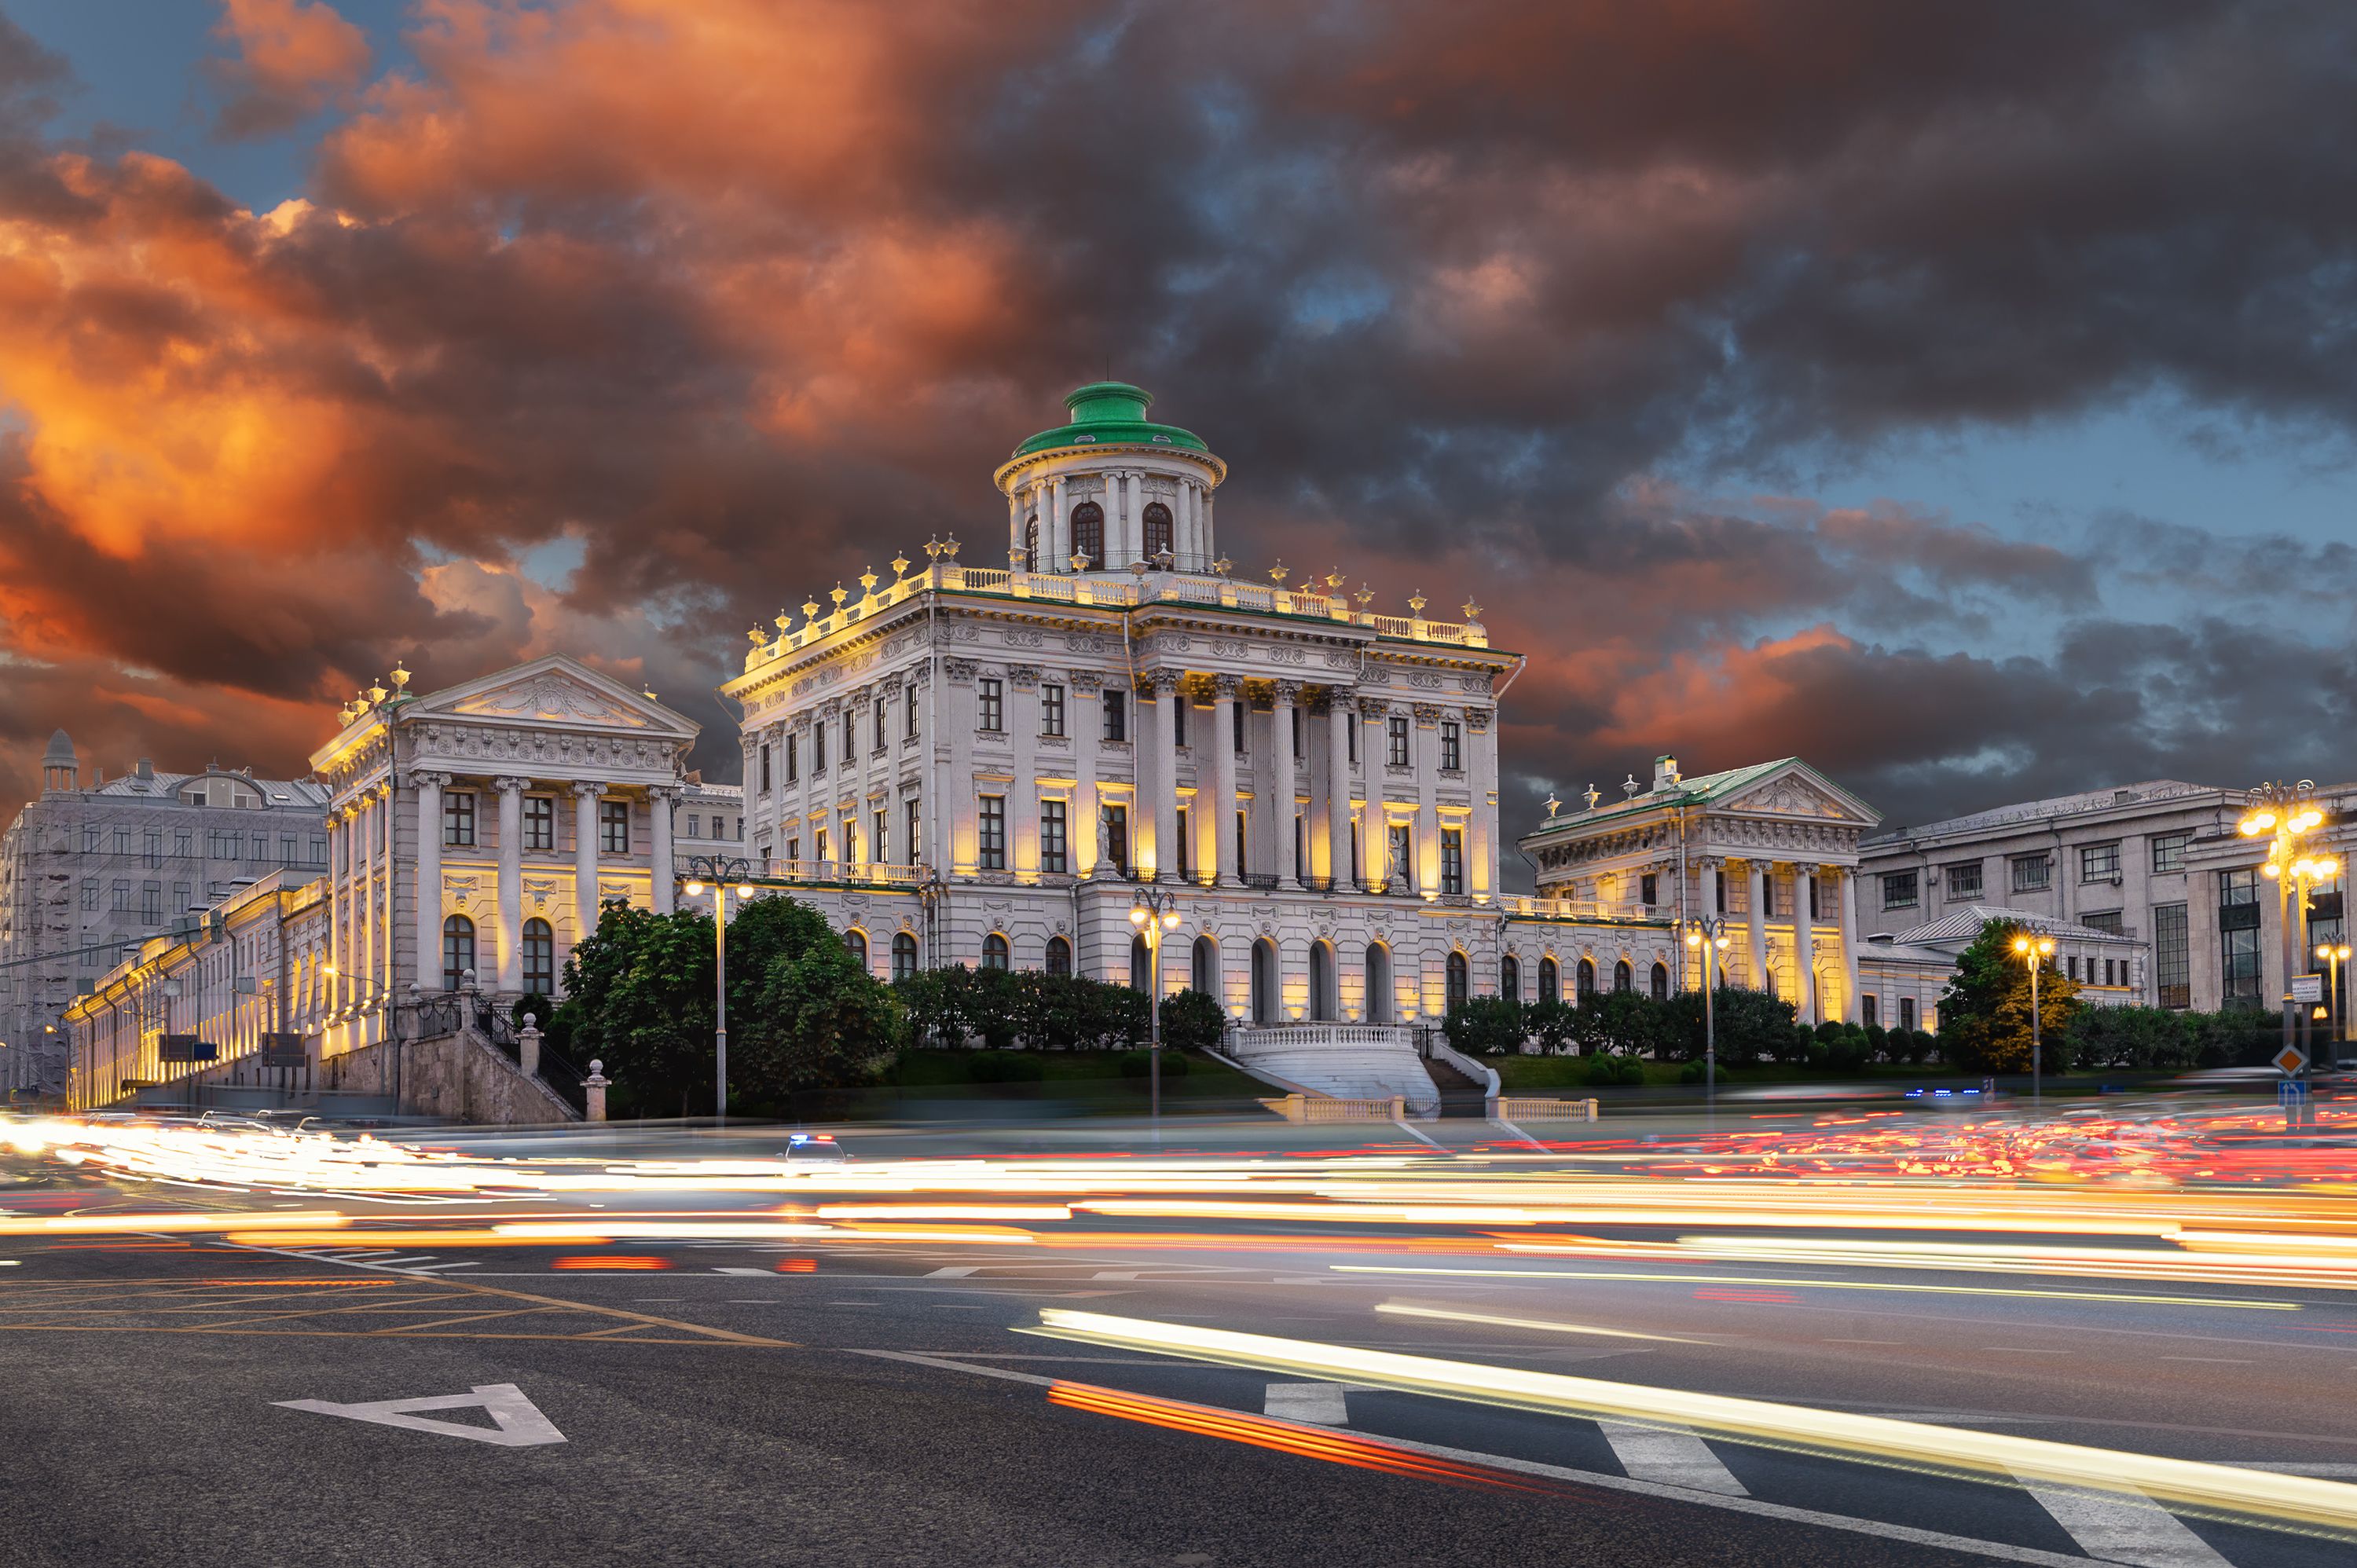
column 2238, row 938
column 2033, row 872
column 1897, row 889
column 1963, row 880
column 2168, row 851
column 2099, row 861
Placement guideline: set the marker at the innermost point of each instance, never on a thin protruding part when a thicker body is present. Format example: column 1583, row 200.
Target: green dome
column 1110, row 413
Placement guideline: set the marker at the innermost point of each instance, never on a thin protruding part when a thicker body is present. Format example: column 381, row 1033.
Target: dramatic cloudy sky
column 1959, row 395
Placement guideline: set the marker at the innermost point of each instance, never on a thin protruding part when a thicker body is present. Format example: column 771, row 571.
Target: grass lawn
column 1090, row 1081
column 1524, row 1075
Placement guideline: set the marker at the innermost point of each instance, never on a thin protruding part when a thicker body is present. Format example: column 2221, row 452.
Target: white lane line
column 2211, row 1360
column 443, row 1268
column 1671, row 1457
column 1320, row 1404
column 1115, row 1274
column 2301, row 1467
column 2119, row 1527
column 405, row 1263
column 756, row 1273
column 962, row 1271
column 1997, row 1551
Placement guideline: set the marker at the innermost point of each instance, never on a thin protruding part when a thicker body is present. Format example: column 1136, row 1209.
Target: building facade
column 87, row 872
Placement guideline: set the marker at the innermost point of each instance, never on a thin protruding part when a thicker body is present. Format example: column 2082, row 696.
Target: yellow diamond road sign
column 2291, row 1059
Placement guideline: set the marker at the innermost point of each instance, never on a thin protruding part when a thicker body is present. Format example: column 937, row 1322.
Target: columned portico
column 511, row 890
column 586, row 793
column 1755, row 894
column 661, row 799
column 1342, row 712
column 1846, row 880
column 1282, row 830
column 1804, row 942
column 426, row 959
column 1227, row 691
column 1165, row 750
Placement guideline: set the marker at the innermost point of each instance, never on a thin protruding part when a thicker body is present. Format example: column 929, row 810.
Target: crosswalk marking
column 1672, row 1458
column 957, row 1272
column 2125, row 1527
column 1320, row 1404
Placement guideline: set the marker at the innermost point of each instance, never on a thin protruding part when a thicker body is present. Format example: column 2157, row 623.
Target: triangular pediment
column 1797, row 790
column 559, row 691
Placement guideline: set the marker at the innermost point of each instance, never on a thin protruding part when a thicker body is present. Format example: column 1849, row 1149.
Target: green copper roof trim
column 1110, row 413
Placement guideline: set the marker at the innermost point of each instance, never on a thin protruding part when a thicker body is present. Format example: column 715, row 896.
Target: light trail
column 2237, row 1304
column 1403, row 1309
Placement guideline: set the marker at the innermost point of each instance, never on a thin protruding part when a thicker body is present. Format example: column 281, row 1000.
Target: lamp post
column 2034, row 952
column 719, row 872
column 1707, row 934
column 2289, row 813
column 1154, row 911
column 2334, row 955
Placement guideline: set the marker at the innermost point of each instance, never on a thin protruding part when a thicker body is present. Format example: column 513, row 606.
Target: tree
column 1486, row 1025
column 1192, row 1021
column 819, row 1021
column 1985, row 1012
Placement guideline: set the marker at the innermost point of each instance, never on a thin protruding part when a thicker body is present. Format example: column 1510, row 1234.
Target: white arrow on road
column 520, row 1424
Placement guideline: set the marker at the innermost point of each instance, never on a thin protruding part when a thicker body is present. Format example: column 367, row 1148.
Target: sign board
column 2292, row 1091
column 186, row 1048
column 282, row 1050
column 2290, row 1060
column 2307, row 988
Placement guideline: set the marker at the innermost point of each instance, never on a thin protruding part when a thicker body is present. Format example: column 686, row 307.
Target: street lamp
column 2289, row 811
column 2034, row 952
column 1154, row 911
column 718, row 872
column 2335, row 954
column 1707, row 934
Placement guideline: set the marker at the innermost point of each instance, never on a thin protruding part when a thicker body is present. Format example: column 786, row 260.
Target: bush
column 1192, row 1021
column 543, row 1010
column 1006, row 1066
column 1135, row 1064
column 1604, row 1070
column 1486, row 1025
column 1554, row 1025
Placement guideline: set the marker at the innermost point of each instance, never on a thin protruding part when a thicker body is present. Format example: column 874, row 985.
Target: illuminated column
column 1426, row 758
column 339, row 891
column 1227, row 691
column 510, row 891
column 1062, row 514
column 364, row 896
column 1342, row 712
column 1015, row 523
column 1848, row 882
column 586, row 792
column 427, row 957
column 1088, row 725
column 1804, row 942
column 1374, row 830
column 1166, row 773
column 659, row 800
column 1756, row 890
column 1281, row 782
column 1481, row 849
column 386, row 966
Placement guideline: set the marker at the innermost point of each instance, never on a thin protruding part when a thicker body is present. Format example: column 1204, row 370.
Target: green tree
column 1486, row 1025
column 1985, row 1012
column 1192, row 1021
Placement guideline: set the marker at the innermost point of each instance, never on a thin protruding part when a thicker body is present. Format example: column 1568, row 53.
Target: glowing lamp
column 2257, row 823
column 744, row 890
column 2326, row 865
column 2306, row 819
column 1137, row 915
column 695, row 889
column 1171, row 919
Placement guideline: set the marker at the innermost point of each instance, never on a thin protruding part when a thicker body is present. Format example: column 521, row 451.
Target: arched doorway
column 1088, row 534
column 1379, row 983
column 1586, row 976
column 1623, row 977
column 1459, row 987
column 1510, row 978
column 1264, row 981
column 1661, row 982
column 1322, row 1006
column 1203, row 970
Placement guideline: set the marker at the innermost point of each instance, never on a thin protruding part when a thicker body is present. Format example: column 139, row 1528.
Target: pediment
column 559, row 691
column 1799, row 791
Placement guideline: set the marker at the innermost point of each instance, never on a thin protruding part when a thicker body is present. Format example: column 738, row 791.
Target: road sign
column 187, row 1048
column 2290, row 1060
column 2292, row 1091
column 520, row 1424
column 2307, row 988
column 282, row 1050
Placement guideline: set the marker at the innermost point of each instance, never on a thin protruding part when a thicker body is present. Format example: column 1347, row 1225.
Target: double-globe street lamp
column 2034, row 952
column 2289, row 813
column 1154, row 910
column 717, row 872
column 1707, row 934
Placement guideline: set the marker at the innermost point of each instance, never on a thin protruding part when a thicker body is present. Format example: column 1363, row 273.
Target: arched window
column 857, row 940
column 539, row 958
column 1158, row 529
column 1586, row 976
column 1550, row 981
column 993, row 951
column 1059, row 956
column 1458, row 980
column 457, row 950
column 1379, row 983
column 1264, row 981
column 1510, row 978
column 1661, row 982
column 1140, row 964
column 904, row 956
column 1321, row 982
column 1204, row 973
column 1623, row 977
column 1031, row 544
column 1088, row 533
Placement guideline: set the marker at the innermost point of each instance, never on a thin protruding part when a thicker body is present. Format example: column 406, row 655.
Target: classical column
column 1756, row 903
column 427, row 955
column 1166, row 773
column 1063, row 521
column 586, row 793
column 1342, row 712
column 1848, row 897
column 1087, row 730
column 1015, row 522
column 1481, row 839
column 1804, row 942
column 661, row 800
column 364, row 896
column 340, row 889
column 1281, row 784
column 385, row 960
column 1375, row 831
column 1426, row 758
column 511, row 889
column 1227, row 691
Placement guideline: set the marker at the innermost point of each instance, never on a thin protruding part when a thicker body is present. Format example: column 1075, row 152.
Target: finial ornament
column 785, row 622
column 932, row 548
column 755, row 636
column 1631, row 787
column 810, row 609
column 899, row 567
column 867, row 583
column 1334, row 578
column 400, row 678
column 1223, row 565
column 950, row 547
column 1415, row 603
column 649, row 693
column 1080, row 561
column 1365, row 596
column 1472, row 609
column 1594, row 795
column 838, row 594
column 1276, row 574
column 378, row 693
column 1553, row 805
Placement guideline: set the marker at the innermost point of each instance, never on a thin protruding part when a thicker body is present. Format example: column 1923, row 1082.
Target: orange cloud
column 294, row 58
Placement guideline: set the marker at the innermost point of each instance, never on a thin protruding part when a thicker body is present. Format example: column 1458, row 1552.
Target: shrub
column 1135, row 1064
column 1603, row 1070
column 1192, row 1021
column 1554, row 1025
column 1486, row 1025
column 1004, row 1066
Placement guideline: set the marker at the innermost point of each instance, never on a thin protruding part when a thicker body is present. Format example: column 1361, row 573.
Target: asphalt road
column 755, row 1405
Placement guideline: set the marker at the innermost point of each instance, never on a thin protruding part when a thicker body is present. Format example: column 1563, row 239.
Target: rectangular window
column 2238, row 938
column 1052, row 852
column 1395, row 732
column 540, row 823
column 880, row 705
column 2103, row 920
column 881, row 849
column 993, row 703
column 459, row 818
column 1899, row 890
column 818, row 747
column 913, row 838
column 1872, row 1014
column 824, row 853
column 1452, row 861
column 1347, row 717
column 1648, row 888
column 1296, row 711
column 696, row 826
column 286, row 849
column 2168, row 850
column 151, row 847
column 184, row 844
column 909, row 700
column 261, row 847
column 319, row 852
column 122, row 843
column 2033, row 872
column 793, row 757
column 1186, row 844
column 1237, row 708
column 89, row 840
column 613, row 827
column 850, row 737
column 1117, row 828
column 1116, row 714
column 2099, row 862
column 1180, row 703
column 183, row 895
column 993, row 842
column 151, row 902
column 121, row 904
column 1452, row 747
column 1963, row 880
column 851, row 839
column 1051, row 710
column 1301, row 865
column 1244, row 850
column 89, row 892
column 1907, row 1012
column 765, row 767
column 793, row 850
column 2073, row 963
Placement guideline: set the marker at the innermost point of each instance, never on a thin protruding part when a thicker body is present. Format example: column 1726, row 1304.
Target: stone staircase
column 1460, row 1096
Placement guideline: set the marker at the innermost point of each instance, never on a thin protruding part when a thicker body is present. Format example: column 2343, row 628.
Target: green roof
column 1110, row 413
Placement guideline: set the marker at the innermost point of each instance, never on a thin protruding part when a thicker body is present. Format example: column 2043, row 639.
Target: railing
column 1103, row 589
column 1318, row 884
column 1245, row 1040
column 562, row 1077
column 435, row 1017
column 870, row 871
column 1579, row 908
column 1527, row 1108
column 1264, row 881
column 1320, row 1108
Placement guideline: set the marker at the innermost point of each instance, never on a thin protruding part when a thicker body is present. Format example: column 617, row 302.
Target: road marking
column 756, row 1273
column 1403, row 1309
column 1319, row 1404
column 1673, row 1458
column 2300, row 1467
column 962, row 1271
column 2121, row 1527
column 1109, row 1275
column 2024, row 1351
column 2211, row 1360
column 1997, row 1551
column 520, row 1424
